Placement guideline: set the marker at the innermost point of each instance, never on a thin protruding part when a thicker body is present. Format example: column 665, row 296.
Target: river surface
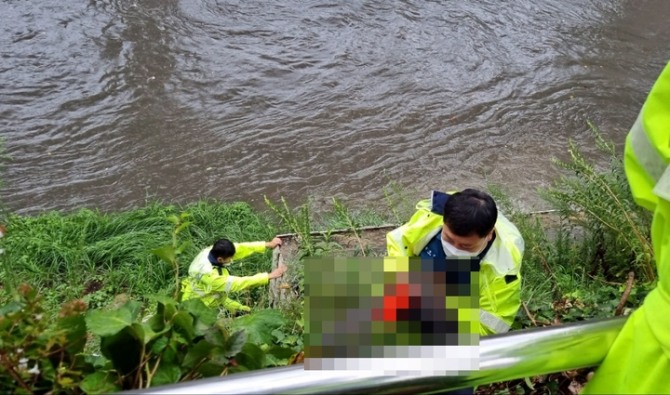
column 104, row 104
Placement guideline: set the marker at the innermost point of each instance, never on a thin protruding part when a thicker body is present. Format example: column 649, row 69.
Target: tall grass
column 599, row 202
column 98, row 255
column 578, row 259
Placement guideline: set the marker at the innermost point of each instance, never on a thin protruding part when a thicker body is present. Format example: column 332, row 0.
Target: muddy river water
column 106, row 103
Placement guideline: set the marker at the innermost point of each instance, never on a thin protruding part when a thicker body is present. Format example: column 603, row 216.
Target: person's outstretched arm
column 245, row 249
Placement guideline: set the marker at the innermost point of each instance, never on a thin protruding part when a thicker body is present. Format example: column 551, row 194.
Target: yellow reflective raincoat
column 500, row 268
column 213, row 287
column 639, row 360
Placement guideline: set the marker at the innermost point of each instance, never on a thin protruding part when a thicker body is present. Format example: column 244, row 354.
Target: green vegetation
column 114, row 277
column 616, row 229
column 179, row 342
column 582, row 263
column 95, row 256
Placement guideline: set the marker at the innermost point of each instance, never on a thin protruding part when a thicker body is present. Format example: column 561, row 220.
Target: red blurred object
column 392, row 303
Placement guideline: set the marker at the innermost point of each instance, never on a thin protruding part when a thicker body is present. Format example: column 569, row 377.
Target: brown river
column 104, row 104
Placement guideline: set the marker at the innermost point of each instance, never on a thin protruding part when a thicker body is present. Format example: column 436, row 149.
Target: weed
column 171, row 252
column 600, row 202
column 298, row 220
column 353, row 226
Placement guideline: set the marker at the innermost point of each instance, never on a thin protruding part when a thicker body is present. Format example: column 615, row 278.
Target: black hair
column 470, row 212
column 223, row 248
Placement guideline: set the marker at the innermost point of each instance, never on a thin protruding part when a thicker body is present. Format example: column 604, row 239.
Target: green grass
column 75, row 255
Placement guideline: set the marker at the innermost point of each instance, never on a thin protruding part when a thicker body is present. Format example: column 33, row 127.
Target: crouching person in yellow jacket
column 468, row 223
column 210, row 281
column 639, row 360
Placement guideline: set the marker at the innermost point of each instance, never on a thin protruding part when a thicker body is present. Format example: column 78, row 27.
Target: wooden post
column 275, row 293
column 282, row 289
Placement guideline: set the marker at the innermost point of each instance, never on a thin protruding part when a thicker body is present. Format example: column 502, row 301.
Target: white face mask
column 452, row 251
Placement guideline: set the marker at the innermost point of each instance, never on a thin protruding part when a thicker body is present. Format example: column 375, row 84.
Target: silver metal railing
column 505, row 357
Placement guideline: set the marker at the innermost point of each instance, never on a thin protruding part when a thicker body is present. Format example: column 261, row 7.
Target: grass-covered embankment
column 577, row 265
column 95, row 256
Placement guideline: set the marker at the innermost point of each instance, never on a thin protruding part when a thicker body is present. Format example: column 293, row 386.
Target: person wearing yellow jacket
column 209, row 278
column 639, row 360
column 468, row 223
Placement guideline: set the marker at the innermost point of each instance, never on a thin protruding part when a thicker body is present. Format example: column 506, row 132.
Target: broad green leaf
column 170, row 309
column 210, row 369
column 259, row 325
column 143, row 332
column 281, row 352
column 200, row 328
column 278, row 334
column 134, row 307
column 251, row 357
column 162, row 319
column 272, row 361
column 165, row 253
column 183, row 322
column 218, row 356
column 138, row 332
column 205, row 319
column 75, row 333
column 170, row 353
column 200, row 311
column 98, row 361
column 177, row 338
column 159, row 345
column 215, row 336
column 278, row 356
column 157, row 323
column 99, row 383
column 107, row 323
column 197, row 353
column 123, row 349
column 167, row 373
column 235, row 343
column 157, row 333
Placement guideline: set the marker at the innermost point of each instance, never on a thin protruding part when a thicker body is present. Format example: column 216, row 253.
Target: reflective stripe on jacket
column 639, row 360
column 213, row 289
column 500, row 268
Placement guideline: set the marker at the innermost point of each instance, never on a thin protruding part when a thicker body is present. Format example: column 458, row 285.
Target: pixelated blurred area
column 383, row 301
column 366, row 241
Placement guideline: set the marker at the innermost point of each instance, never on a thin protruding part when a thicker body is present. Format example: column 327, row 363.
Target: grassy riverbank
column 590, row 257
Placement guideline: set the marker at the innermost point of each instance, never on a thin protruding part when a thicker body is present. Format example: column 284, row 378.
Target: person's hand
column 273, row 243
column 278, row 272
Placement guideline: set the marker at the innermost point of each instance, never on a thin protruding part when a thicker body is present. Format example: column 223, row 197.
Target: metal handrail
column 510, row 356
